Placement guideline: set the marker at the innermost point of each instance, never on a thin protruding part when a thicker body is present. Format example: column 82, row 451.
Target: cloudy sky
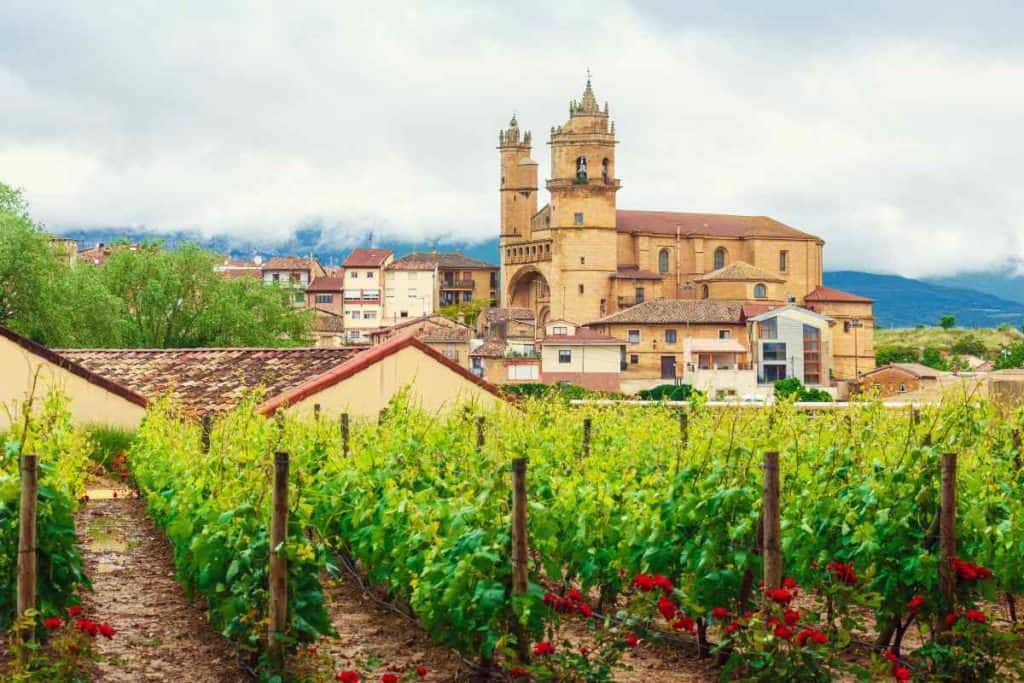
column 893, row 130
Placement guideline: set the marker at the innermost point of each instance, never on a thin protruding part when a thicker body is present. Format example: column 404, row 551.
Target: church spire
column 587, row 105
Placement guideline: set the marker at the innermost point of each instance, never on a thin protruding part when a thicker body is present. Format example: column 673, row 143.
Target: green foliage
column 108, row 442
column 793, row 388
column 947, row 322
column 969, row 344
column 670, row 392
column 933, row 358
column 894, row 353
column 1012, row 357
column 469, row 310
column 561, row 390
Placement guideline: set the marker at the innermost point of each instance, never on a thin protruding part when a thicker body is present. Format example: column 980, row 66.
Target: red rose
column 901, row 673
column 518, row 672
column 643, row 582
column 975, row 615
column 662, row 582
column 720, row 613
column 780, row 595
column 667, row 608
column 789, row 582
column 543, row 648
column 574, row 595
column 915, row 602
column 951, row 618
column 107, row 630
column 585, row 610
column 791, row 616
column 842, row 571
column 87, row 626
column 630, row 640
column 74, row 611
column 584, row 650
column 347, row 677
column 819, row 637
column 783, row 632
column 389, row 678
column 421, row 671
column 732, row 628
column 685, row 623
column 53, row 623
column 891, row 656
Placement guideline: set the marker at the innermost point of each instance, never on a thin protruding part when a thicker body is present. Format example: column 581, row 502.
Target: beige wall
column 853, row 349
column 434, row 386
column 584, row 358
column 653, row 346
column 411, row 291
column 90, row 403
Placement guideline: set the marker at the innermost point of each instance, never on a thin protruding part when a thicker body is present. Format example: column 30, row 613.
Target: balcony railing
column 457, row 284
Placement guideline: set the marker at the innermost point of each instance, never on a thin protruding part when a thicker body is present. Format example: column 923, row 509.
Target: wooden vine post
column 344, row 435
column 684, row 435
column 520, row 549
column 587, row 424
column 947, row 534
column 772, row 522
column 278, row 607
column 27, row 555
column 316, row 411
column 480, row 423
column 207, row 428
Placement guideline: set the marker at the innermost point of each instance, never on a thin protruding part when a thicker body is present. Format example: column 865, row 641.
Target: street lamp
column 855, row 324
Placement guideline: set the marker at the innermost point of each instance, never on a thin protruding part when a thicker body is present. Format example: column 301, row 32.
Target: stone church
column 580, row 258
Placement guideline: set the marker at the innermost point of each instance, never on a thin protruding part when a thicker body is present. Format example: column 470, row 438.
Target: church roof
column 738, row 270
column 829, row 294
column 678, row 311
column 632, row 272
column 705, row 224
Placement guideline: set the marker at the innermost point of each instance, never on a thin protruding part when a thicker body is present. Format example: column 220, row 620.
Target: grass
column 108, row 442
column 994, row 339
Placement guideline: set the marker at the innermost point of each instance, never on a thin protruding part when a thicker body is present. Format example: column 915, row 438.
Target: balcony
column 462, row 285
column 527, row 252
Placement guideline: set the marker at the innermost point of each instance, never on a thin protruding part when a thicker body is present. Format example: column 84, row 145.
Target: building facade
column 362, row 300
column 419, row 283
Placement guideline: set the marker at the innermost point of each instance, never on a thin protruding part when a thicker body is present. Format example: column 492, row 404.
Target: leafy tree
column 469, row 310
column 791, row 387
column 932, row 357
column 1012, row 357
column 896, row 353
column 947, row 322
column 969, row 344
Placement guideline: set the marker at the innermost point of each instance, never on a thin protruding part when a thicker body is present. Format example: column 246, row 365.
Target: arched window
column 760, row 291
column 663, row 261
column 720, row 258
column 581, row 168
column 604, row 169
column 704, row 292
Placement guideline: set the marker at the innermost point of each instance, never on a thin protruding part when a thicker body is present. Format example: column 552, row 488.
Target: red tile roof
column 582, row 336
column 707, row 224
column 73, row 367
column 835, row 295
column 367, row 258
column 631, row 272
column 753, row 310
column 677, row 311
column 326, row 284
column 429, row 260
column 738, row 271
column 295, row 263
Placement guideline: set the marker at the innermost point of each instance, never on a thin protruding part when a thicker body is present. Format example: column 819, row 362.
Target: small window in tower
column 720, row 258
column 583, row 260
column 663, row 261
column 604, row 169
column 704, row 292
column 581, row 289
column 503, row 180
column 578, row 218
column 783, row 261
column 581, row 168
column 760, row 291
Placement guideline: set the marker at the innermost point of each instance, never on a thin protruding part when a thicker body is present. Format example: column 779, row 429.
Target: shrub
column 932, row 357
column 947, row 322
column 791, row 387
column 1012, row 357
column 969, row 344
column 670, row 392
column 896, row 353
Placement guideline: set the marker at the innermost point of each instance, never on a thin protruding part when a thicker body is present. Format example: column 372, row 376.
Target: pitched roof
column 423, row 260
column 828, row 294
column 497, row 315
column 916, row 369
column 294, row 263
column 632, row 272
column 705, row 224
column 210, row 380
column 240, row 273
column 738, row 270
column 326, row 284
column 492, row 348
column 328, row 322
column 367, row 258
column 678, row 311
column 583, row 336
column 438, row 335
column 73, row 367
column 754, row 310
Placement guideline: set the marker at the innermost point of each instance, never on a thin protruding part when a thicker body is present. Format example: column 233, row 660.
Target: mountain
column 990, row 300
column 903, row 302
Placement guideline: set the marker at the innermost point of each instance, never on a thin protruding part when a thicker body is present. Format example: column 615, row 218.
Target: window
column 768, row 329
column 276, row 277
column 295, row 278
column 720, row 258
column 390, row 292
column 299, row 297
column 663, row 261
column 353, row 274
column 633, row 336
column 354, row 315
column 355, row 334
column 760, row 291
column 773, row 373
column 369, row 315
column 467, row 296
column 578, row 218
column 581, row 289
column 523, row 372
column 902, row 388
column 783, row 261
column 583, row 260
column 564, row 356
column 369, row 276
column 639, row 295
column 634, row 359
column 559, row 329
column 403, row 314
column 724, row 334
column 325, row 298
column 581, row 168
column 605, row 169
column 704, row 292
column 670, row 336
column 773, row 351
column 371, row 294
column 846, row 326
column 412, row 292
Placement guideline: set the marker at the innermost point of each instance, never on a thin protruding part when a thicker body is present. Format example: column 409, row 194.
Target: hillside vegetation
column 994, row 339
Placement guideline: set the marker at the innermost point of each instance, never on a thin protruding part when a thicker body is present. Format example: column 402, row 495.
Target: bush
column 108, row 442
column 670, row 392
column 947, row 322
column 932, row 357
column 1012, row 357
column 969, row 344
column 791, row 387
column 896, row 353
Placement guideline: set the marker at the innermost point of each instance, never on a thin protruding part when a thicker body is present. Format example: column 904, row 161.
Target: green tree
column 896, row 353
column 1012, row 357
column 969, row 344
column 469, row 310
column 947, row 322
column 932, row 357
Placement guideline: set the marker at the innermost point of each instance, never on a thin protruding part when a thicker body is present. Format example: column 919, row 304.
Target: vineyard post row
column 27, row 555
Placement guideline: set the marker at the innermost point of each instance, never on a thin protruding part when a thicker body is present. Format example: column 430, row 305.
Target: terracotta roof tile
column 492, row 348
column 367, row 258
column 582, row 336
column 326, row 284
column 709, row 224
column 497, row 315
column 916, row 369
column 833, row 295
column 294, row 263
column 678, row 311
column 738, row 270
column 429, row 260
column 630, row 272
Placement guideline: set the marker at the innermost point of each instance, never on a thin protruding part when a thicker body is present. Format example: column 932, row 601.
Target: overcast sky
column 893, row 130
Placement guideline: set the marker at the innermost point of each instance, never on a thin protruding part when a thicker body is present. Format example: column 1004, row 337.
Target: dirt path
column 160, row 636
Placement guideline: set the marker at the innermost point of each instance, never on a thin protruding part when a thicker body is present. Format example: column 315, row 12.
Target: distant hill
column 1007, row 282
column 900, row 301
column 903, row 302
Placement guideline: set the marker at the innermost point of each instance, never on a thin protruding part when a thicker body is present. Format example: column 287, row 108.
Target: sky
column 891, row 130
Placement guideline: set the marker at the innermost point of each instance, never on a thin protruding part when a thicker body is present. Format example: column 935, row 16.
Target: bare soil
column 161, row 636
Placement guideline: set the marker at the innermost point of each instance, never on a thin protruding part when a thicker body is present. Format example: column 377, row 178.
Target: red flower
column 107, row 630
column 87, row 626
column 74, row 611
column 630, row 640
column 557, row 603
column 791, row 616
column 816, row 637
column 584, row 650
column 685, row 623
column 732, row 628
column 951, row 618
column 574, row 595
column 901, row 673
column 643, row 582
column 842, row 571
column 667, row 608
column 389, row 678
column 891, row 656
column 720, row 613
column 347, row 677
column 543, row 648
column 915, row 602
column 975, row 615
column 53, row 623
column 518, row 672
column 585, row 610
column 780, row 595
column 422, row 671
column 789, row 582
column 783, row 632
column 663, row 582
column 970, row 571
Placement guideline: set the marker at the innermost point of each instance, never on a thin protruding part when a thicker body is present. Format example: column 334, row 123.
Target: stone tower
column 582, row 218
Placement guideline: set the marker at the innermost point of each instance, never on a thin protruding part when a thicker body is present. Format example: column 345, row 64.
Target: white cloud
column 893, row 137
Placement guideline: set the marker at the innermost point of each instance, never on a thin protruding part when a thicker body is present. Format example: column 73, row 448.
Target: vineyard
column 642, row 525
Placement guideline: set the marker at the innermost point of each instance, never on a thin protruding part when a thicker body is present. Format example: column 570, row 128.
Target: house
column 31, row 370
column 446, row 336
column 559, row 326
column 294, row 273
column 503, row 323
column 791, row 341
column 99, row 253
column 357, row 380
column 324, row 294
column 233, row 269
column 362, row 299
column 586, row 358
column 853, row 339
column 419, row 283
column 896, row 379
column 501, row 361
column 328, row 329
